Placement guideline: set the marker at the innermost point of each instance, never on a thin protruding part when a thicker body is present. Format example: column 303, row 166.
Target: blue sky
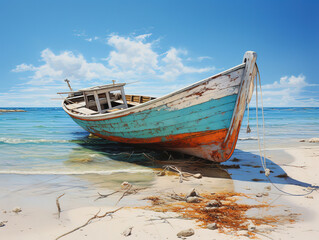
column 164, row 45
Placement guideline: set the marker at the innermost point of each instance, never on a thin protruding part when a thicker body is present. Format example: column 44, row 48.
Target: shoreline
column 37, row 199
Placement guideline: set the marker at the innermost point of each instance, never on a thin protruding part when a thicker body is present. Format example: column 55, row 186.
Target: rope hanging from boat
column 248, row 130
column 262, row 154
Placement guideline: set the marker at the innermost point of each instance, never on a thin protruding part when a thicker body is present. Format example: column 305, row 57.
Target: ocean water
column 47, row 141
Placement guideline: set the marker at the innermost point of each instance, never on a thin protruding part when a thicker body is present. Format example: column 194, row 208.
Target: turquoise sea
column 46, row 141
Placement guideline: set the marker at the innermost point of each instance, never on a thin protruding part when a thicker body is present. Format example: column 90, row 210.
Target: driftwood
column 182, row 175
column 129, row 189
column 58, row 204
column 96, row 216
column 105, row 195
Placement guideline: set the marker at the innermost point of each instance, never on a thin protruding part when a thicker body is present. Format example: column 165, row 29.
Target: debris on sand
column 17, row 210
column 193, row 200
column 2, row 224
column 127, row 232
column 212, row 226
column 219, row 211
column 186, row 233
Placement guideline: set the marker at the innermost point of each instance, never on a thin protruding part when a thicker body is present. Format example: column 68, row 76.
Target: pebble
column 192, row 193
column 2, row 224
column 197, row 175
column 127, row 232
column 259, row 195
column 193, row 200
column 311, row 197
column 186, row 233
column 268, row 188
column 251, row 227
column 214, row 203
column 125, row 184
column 212, row 226
column 161, row 173
column 17, row 210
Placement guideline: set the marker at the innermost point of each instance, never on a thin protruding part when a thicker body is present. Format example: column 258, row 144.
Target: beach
column 44, row 155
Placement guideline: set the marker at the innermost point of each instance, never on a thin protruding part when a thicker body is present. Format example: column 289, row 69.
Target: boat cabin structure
column 102, row 99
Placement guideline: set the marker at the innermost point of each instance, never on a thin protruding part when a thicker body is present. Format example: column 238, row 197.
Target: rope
column 262, row 154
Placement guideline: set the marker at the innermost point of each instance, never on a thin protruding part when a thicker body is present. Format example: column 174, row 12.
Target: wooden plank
column 75, row 105
column 97, row 102
column 123, row 97
column 108, row 100
column 85, row 111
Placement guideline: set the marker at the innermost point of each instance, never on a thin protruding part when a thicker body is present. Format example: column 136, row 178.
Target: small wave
column 49, row 172
column 20, row 140
column 247, row 138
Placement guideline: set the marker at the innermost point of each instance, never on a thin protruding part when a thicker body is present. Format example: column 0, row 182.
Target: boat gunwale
column 127, row 111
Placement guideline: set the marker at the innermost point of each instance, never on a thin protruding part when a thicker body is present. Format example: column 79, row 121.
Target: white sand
column 38, row 219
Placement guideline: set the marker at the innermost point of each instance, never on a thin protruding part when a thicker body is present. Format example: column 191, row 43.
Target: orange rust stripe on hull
column 176, row 141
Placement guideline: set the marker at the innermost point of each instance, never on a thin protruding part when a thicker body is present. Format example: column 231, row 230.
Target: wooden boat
column 202, row 119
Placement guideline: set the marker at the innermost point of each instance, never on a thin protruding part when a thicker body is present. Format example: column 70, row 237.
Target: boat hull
column 201, row 120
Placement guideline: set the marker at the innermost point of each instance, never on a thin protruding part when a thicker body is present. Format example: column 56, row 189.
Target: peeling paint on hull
column 203, row 119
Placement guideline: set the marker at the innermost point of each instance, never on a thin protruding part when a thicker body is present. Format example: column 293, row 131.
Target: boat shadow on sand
column 243, row 166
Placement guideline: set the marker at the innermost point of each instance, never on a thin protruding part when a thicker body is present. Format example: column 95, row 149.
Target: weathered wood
column 85, row 111
column 97, row 102
column 123, row 97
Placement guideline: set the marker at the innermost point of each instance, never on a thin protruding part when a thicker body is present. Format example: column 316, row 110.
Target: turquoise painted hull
column 162, row 121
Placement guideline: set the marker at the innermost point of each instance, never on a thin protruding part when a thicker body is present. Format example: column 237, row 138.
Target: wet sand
column 293, row 170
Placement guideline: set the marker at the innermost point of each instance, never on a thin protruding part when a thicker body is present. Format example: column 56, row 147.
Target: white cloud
column 133, row 55
column 292, row 82
column 23, row 68
column 174, row 66
column 131, row 58
column 289, row 91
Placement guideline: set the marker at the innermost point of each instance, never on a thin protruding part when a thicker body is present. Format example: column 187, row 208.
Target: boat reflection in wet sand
column 202, row 119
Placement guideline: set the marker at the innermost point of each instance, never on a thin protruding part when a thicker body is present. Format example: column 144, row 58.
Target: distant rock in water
column 12, row 110
column 311, row 140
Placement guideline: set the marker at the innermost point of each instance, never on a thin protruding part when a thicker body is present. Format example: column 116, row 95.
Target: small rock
column 268, row 188
column 259, row 195
column 311, row 197
column 302, row 140
column 314, row 140
column 193, row 200
column 186, row 233
column 127, row 232
column 265, row 194
column 2, row 224
column 197, row 175
column 4, row 211
column 192, row 193
column 125, row 184
column 208, row 209
column 17, row 210
column 247, row 188
column 212, row 226
column 251, row 227
column 162, row 173
column 214, row 203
